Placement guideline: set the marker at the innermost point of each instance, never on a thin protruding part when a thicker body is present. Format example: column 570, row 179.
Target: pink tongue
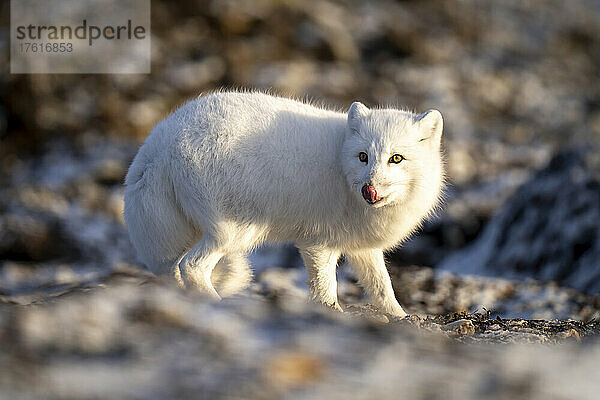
column 369, row 193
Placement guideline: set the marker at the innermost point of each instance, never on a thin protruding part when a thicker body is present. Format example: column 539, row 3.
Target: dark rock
column 549, row 229
column 33, row 237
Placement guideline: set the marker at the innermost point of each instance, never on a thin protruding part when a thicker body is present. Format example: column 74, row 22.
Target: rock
column 134, row 336
column 460, row 327
column 30, row 237
column 571, row 333
column 548, row 230
column 426, row 291
column 289, row 369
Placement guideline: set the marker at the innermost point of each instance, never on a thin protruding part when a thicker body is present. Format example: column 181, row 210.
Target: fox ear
column 357, row 111
column 430, row 125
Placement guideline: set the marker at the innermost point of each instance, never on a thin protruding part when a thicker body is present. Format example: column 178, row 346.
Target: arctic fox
column 228, row 171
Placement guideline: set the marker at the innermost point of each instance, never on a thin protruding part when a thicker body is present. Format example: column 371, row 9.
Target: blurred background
column 518, row 84
column 516, row 81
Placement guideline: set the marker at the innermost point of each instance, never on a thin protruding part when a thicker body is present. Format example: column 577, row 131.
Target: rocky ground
column 133, row 337
column 501, row 287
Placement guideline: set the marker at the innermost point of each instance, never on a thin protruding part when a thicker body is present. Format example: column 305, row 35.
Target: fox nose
column 369, row 194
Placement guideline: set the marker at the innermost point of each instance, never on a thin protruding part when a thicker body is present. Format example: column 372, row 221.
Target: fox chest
column 349, row 234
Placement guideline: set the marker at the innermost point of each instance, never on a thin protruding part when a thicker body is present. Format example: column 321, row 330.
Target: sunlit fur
column 230, row 170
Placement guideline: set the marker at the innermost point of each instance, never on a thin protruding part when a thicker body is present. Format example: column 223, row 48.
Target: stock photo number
column 33, row 47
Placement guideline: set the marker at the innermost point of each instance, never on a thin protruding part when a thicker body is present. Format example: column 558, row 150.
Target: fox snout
column 369, row 193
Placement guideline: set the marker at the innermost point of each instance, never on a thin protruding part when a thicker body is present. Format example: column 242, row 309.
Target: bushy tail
column 157, row 227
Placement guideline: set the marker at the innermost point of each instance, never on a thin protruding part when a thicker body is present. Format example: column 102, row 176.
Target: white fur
column 230, row 170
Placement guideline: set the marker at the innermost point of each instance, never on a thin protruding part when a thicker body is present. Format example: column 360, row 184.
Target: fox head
column 392, row 156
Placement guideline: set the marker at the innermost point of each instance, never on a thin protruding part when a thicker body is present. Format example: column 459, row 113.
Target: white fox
column 229, row 170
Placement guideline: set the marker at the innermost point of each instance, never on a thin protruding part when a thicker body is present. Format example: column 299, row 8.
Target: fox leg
column 321, row 267
column 194, row 269
column 372, row 274
column 232, row 274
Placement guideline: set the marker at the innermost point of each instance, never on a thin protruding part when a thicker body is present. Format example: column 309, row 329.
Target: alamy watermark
column 80, row 36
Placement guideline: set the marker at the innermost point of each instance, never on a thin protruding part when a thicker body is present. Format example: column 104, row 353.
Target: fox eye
column 396, row 159
column 363, row 157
